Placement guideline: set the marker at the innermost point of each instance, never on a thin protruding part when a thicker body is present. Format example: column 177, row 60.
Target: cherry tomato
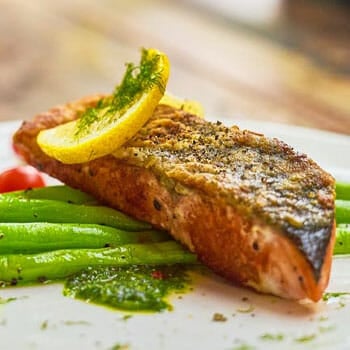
column 20, row 178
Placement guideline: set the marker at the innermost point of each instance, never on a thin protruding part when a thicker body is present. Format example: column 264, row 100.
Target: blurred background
column 285, row 61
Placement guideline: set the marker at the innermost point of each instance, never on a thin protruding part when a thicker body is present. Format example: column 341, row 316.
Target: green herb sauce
column 8, row 300
column 133, row 288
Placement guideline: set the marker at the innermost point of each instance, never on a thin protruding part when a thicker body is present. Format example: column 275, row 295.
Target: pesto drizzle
column 132, row 288
column 136, row 81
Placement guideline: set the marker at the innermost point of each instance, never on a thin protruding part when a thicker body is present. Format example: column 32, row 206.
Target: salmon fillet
column 253, row 210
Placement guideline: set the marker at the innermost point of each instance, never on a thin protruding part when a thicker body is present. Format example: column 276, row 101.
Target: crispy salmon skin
column 252, row 209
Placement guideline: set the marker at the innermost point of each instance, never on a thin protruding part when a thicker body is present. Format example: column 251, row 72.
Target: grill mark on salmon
column 253, row 209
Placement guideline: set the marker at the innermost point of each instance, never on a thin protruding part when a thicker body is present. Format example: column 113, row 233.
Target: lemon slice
column 189, row 106
column 115, row 119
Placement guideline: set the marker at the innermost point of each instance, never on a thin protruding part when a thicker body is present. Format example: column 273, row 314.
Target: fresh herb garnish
column 327, row 296
column 136, row 81
column 324, row 329
column 120, row 347
column 44, row 325
column 305, row 338
column 243, row 347
column 126, row 317
column 270, row 336
column 323, row 318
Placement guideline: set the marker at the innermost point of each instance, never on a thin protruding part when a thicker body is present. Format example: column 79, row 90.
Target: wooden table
column 288, row 64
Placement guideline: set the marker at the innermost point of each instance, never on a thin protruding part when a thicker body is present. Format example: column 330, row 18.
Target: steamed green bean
column 342, row 211
column 41, row 236
column 342, row 190
column 342, row 242
column 58, row 264
column 60, row 193
column 13, row 209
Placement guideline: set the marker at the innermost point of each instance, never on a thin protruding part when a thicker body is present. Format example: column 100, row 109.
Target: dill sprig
column 136, row 81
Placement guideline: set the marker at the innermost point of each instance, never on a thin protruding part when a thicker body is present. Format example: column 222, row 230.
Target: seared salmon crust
column 252, row 209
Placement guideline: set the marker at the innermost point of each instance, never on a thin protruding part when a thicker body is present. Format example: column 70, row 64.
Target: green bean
column 40, row 237
column 342, row 242
column 58, row 264
column 342, row 190
column 342, row 211
column 60, row 193
column 13, row 209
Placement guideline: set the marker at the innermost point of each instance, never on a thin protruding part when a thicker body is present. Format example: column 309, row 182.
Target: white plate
column 41, row 318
